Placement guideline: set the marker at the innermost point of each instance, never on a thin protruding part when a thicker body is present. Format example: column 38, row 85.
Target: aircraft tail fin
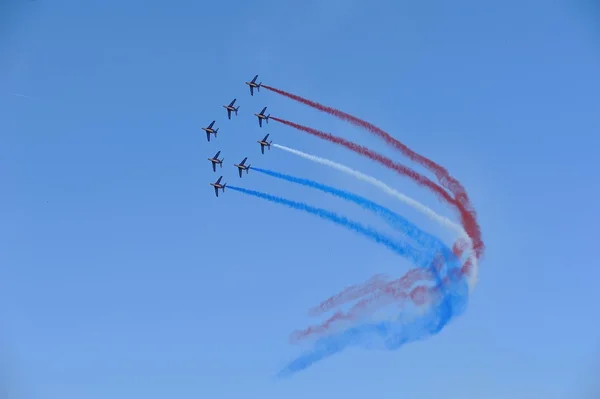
column 221, row 162
column 268, row 116
column 224, row 185
column 216, row 131
column 248, row 169
column 258, row 87
column 236, row 110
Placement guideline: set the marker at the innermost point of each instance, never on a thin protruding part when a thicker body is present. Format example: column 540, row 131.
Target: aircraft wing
column 228, row 113
column 251, row 90
column 208, row 136
column 259, row 122
column 211, row 125
column 262, row 148
column 243, row 161
column 265, row 139
column 254, row 80
column 216, row 191
column 217, row 155
column 240, row 171
column 263, row 111
column 219, row 180
column 214, row 166
column 231, row 103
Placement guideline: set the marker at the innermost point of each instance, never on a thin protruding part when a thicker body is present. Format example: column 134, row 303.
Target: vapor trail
column 23, row 96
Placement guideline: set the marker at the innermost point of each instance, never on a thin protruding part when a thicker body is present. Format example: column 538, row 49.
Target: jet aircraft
column 253, row 84
column 230, row 108
column 215, row 160
column 241, row 166
column 210, row 130
column 217, row 185
column 262, row 116
column 264, row 143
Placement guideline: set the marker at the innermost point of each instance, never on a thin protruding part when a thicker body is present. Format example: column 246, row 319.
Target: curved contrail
column 444, row 221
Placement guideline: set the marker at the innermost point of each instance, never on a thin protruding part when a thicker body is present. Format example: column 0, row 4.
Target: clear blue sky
column 122, row 276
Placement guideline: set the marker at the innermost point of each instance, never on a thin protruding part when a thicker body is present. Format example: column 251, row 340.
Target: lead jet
column 210, row 130
column 230, row 108
column 264, row 143
column 241, row 166
column 217, row 185
column 215, row 160
column 262, row 116
column 253, row 84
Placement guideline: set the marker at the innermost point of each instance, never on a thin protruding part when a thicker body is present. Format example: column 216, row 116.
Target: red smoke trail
column 351, row 293
column 467, row 217
column 375, row 283
column 440, row 172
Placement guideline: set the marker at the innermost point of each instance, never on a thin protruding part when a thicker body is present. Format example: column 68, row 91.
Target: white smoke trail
column 444, row 221
column 23, row 96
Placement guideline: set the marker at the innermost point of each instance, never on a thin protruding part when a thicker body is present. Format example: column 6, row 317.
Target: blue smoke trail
column 452, row 296
column 434, row 244
column 399, row 248
column 393, row 334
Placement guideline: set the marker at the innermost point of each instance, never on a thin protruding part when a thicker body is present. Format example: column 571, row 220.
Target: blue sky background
column 122, row 276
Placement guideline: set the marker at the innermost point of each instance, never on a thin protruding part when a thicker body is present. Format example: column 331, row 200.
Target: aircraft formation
column 211, row 130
